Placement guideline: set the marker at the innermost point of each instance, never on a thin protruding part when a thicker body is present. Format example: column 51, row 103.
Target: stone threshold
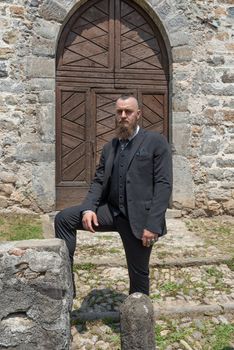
column 181, row 262
column 175, row 311
column 48, row 220
column 170, row 214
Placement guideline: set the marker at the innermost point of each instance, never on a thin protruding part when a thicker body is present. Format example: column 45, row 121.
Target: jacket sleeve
column 162, row 177
column 94, row 194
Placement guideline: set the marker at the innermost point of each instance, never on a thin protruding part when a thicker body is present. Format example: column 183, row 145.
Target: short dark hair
column 126, row 96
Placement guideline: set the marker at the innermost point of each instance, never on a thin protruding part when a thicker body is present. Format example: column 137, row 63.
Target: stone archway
column 106, row 48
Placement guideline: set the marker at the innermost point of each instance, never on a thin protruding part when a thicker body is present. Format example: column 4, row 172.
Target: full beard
column 125, row 131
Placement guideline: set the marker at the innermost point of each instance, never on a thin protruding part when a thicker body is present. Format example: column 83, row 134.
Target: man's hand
column 89, row 218
column 148, row 238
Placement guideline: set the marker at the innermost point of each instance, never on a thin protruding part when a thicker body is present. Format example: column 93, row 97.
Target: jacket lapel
column 110, row 160
column 136, row 144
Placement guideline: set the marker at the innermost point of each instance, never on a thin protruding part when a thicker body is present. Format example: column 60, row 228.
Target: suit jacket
column 148, row 182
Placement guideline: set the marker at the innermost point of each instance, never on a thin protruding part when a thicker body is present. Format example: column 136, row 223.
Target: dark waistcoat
column 117, row 195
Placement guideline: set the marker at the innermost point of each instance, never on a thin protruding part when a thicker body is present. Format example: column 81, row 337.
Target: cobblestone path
column 102, row 285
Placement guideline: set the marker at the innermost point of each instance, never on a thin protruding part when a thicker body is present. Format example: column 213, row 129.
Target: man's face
column 127, row 115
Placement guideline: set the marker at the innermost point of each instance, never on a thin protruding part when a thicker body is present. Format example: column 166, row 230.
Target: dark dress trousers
column 130, row 192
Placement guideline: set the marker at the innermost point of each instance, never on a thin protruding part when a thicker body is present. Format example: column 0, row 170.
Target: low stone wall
column 36, row 295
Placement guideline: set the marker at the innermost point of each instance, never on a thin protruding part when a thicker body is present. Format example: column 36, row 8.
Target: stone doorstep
column 175, row 311
column 48, row 220
column 161, row 263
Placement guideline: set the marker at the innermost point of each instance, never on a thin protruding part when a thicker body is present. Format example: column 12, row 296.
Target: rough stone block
column 137, row 323
column 207, row 161
column 225, row 162
column 6, row 189
column 217, row 89
column 6, row 53
column 8, row 177
column 155, row 2
column 164, row 9
column 29, row 152
column 41, row 84
column 183, row 185
column 230, row 148
column 47, row 30
column 3, row 70
column 216, row 60
column 213, row 102
column 210, row 142
column 43, row 185
column 177, row 22
column 180, row 103
column 228, row 77
column 229, row 207
column 40, row 67
column 44, row 47
column 180, row 38
column 229, row 104
column 52, row 11
column 46, row 118
column 231, row 12
column 36, row 295
column 218, row 194
column 181, row 137
column 3, row 203
column 182, row 54
column 215, row 174
column 17, row 11
column 47, row 97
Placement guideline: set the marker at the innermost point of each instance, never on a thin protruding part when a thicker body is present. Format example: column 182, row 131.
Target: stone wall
column 199, row 38
column 36, row 295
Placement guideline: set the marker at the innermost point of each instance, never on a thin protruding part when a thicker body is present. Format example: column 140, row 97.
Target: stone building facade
column 198, row 36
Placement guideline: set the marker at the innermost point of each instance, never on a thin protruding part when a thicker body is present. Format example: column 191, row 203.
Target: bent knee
column 59, row 218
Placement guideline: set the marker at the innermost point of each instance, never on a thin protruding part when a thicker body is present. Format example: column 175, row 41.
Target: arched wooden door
column 108, row 47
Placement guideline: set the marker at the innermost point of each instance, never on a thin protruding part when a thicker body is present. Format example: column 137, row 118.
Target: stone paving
column 102, row 285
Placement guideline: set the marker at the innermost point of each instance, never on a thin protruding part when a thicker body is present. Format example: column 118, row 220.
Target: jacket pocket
column 144, row 156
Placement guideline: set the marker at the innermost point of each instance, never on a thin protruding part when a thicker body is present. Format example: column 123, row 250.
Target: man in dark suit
column 129, row 194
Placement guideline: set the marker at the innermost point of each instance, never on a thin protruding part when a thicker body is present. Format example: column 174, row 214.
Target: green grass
column 114, row 250
column 215, row 232
column 155, row 296
column 20, row 227
column 87, row 267
column 214, row 272
column 230, row 264
column 214, row 337
column 220, row 337
column 170, row 287
column 175, row 334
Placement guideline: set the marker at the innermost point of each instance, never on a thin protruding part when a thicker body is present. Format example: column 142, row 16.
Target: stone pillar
column 137, row 323
column 36, row 295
